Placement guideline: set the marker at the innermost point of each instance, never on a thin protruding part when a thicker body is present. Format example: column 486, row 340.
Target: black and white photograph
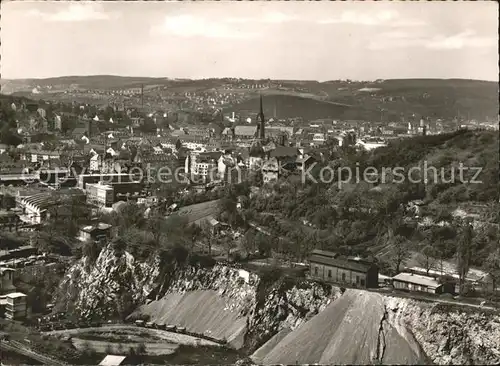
column 249, row 183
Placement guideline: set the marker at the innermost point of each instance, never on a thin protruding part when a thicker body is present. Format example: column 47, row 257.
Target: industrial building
column 329, row 267
column 415, row 282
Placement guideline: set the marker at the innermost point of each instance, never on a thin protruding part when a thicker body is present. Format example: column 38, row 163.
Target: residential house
column 16, row 307
column 193, row 142
column 35, row 156
column 95, row 162
column 256, row 157
column 178, row 133
column 205, row 166
column 370, row 144
column 137, row 121
column 329, row 267
column 269, row 147
column 243, row 157
column 216, row 129
column 303, row 163
column 95, row 232
column 8, row 166
column 227, row 134
column 7, row 280
column 319, row 138
column 286, row 156
column 214, row 225
column 224, row 163
column 172, row 145
column 231, row 169
column 203, row 133
column 270, row 170
column 276, row 130
column 112, row 151
column 57, row 122
column 245, row 132
column 157, row 150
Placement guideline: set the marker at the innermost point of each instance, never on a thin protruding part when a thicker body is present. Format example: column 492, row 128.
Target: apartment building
column 15, row 306
column 99, row 194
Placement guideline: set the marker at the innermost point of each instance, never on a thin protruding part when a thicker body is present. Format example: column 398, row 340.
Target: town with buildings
column 98, row 162
column 231, row 220
column 110, row 160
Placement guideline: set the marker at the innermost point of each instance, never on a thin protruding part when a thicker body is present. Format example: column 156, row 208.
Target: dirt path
column 26, row 351
column 173, row 338
column 152, row 348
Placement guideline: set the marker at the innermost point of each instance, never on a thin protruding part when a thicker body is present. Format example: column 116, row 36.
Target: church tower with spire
column 260, row 117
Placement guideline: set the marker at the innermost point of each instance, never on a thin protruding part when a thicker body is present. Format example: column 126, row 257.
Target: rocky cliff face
column 448, row 336
column 250, row 311
column 103, row 288
column 107, row 286
column 285, row 305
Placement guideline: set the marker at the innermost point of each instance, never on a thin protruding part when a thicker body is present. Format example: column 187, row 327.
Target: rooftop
column 6, row 269
column 324, row 253
column 282, row 151
column 339, row 263
column 99, row 226
column 245, row 130
column 46, row 199
column 112, row 360
column 416, row 279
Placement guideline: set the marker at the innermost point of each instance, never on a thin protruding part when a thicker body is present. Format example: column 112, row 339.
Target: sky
column 277, row 40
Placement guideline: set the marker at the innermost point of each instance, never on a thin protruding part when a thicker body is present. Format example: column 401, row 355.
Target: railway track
column 22, row 349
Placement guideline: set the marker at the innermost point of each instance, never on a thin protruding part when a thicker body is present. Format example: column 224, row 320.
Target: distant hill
column 386, row 100
column 89, row 82
column 287, row 106
column 437, row 98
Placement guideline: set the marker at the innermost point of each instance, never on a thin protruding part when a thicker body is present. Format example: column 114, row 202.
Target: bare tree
column 248, row 241
column 228, row 244
column 427, row 255
column 157, row 224
column 492, row 267
column 464, row 253
column 207, row 230
column 398, row 249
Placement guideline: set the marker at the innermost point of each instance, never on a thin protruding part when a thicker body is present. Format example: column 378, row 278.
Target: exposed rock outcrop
column 283, row 320
column 448, row 336
column 113, row 283
column 224, row 303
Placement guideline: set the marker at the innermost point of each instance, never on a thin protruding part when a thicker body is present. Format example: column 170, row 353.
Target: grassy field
column 199, row 211
column 293, row 106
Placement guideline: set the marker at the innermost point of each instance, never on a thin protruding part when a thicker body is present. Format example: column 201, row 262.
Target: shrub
column 141, row 349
